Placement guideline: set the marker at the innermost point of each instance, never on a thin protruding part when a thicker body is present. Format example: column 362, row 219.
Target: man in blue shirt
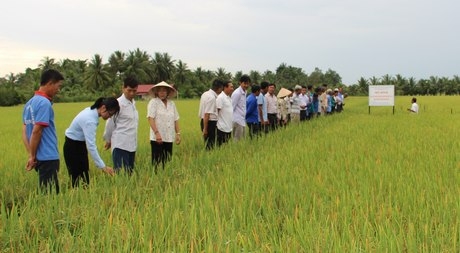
column 252, row 111
column 39, row 131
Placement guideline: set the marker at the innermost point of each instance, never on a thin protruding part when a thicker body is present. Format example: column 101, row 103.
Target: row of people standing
column 40, row 138
column 224, row 112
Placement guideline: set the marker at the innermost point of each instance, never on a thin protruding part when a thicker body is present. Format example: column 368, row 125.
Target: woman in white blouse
column 164, row 123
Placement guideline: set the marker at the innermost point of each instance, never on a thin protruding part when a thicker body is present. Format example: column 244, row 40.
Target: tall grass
column 352, row 182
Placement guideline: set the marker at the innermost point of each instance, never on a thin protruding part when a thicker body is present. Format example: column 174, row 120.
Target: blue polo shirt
column 39, row 111
column 252, row 109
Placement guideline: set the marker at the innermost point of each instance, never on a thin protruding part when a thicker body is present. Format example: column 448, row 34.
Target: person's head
column 292, row 92
column 304, row 90
column 130, row 88
column 106, row 107
column 228, row 88
column 297, row 89
column 264, row 87
column 245, row 82
column 51, row 82
column 414, row 100
column 217, row 86
column 271, row 89
column 255, row 90
column 162, row 91
column 310, row 87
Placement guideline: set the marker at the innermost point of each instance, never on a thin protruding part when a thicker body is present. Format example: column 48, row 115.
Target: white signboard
column 381, row 95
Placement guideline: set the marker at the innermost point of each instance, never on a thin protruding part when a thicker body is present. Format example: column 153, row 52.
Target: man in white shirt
column 272, row 107
column 224, row 114
column 208, row 113
column 414, row 107
column 239, row 108
column 121, row 131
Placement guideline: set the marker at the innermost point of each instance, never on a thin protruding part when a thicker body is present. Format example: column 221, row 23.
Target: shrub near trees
column 88, row 79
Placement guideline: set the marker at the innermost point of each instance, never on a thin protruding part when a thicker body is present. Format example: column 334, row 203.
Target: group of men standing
column 225, row 112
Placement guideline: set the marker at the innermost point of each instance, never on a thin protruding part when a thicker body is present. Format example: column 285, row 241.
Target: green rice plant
column 351, row 182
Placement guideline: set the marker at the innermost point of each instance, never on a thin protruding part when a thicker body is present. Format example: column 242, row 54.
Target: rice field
column 352, row 182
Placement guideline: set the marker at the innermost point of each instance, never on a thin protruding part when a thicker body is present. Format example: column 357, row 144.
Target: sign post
column 381, row 95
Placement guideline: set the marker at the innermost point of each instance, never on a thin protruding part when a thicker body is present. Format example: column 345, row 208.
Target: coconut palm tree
column 163, row 67
column 97, row 77
column 137, row 65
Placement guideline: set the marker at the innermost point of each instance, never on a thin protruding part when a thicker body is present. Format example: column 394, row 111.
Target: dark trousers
column 123, row 159
column 303, row 115
column 210, row 139
column 161, row 153
column 47, row 175
column 223, row 137
column 254, row 129
column 76, row 160
column 273, row 121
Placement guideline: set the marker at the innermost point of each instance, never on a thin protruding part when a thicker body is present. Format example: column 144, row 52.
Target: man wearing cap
column 239, row 108
column 208, row 113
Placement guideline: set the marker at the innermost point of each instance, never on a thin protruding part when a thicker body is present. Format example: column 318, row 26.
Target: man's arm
column 35, row 139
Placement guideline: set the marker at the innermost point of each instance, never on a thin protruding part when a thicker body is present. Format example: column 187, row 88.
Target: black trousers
column 254, row 129
column 47, row 175
column 223, row 137
column 76, row 160
column 161, row 153
column 210, row 139
column 273, row 120
column 303, row 115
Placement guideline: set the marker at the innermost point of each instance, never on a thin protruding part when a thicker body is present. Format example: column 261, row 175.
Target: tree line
column 85, row 80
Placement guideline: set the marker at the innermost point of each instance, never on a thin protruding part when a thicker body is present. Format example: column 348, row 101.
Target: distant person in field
column 239, row 108
column 272, row 107
column 303, row 98
column 323, row 99
column 80, row 138
column 121, row 132
column 339, row 100
column 252, row 112
column 262, row 103
column 208, row 113
column 39, row 131
column 283, row 106
column 295, row 104
column 224, row 114
column 414, row 107
column 164, row 123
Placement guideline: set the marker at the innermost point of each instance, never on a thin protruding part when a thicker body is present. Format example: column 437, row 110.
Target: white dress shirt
column 121, row 130
column 165, row 117
column 225, row 113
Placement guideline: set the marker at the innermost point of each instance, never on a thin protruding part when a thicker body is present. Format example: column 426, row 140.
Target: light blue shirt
column 262, row 101
column 38, row 111
column 83, row 128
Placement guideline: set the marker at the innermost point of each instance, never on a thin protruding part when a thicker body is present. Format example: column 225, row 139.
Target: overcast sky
column 356, row 38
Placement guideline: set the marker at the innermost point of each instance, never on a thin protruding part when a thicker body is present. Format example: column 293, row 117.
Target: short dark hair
column 310, row 87
column 272, row 84
column 264, row 85
column 227, row 83
column 130, row 82
column 245, row 79
column 414, row 100
column 216, row 84
column 304, row 87
column 50, row 75
column 255, row 88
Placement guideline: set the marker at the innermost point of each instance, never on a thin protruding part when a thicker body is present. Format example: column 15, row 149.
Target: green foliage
column 86, row 80
column 9, row 97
